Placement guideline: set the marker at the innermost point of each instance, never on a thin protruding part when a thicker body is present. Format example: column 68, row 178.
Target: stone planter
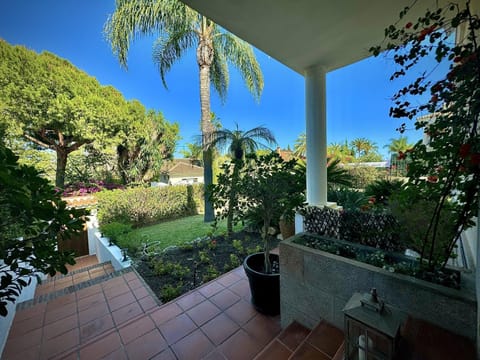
column 316, row 285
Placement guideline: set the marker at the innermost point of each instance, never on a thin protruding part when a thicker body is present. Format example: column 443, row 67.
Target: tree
column 146, row 140
column 450, row 162
column 363, row 146
column 241, row 143
column 398, row 145
column 180, row 28
column 54, row 105
column 193, row 152
column 342, row 152
column 300, row 147
column 271, row 186
column 33, row 220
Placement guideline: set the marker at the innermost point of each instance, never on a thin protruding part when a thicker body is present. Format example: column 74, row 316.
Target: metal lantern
column 371, row 328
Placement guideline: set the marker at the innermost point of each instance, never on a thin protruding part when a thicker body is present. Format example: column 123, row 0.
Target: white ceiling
column 304, row 33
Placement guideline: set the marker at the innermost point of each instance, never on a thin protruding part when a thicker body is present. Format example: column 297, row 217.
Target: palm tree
column 179, row 28
column 300, row 147
column 363, row 146
column 241, row 142
column 193, row 152
column 343, row 152
column 399, row 145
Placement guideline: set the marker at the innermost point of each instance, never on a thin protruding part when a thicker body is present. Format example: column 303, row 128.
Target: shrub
column 381, row 190
column 115, row 230
column 141, row 206
column 364, row 175
column 349, row 199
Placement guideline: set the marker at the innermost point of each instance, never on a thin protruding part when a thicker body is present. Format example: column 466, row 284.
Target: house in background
column 181, row 171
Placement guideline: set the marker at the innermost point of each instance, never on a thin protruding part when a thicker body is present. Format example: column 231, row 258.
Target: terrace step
column 59, row 282
column 46, row 297
column 324, row 342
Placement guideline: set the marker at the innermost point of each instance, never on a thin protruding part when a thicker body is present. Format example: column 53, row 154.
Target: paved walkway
column 120, row 318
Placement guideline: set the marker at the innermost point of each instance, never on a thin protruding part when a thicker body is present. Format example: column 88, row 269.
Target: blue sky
column 358, row 96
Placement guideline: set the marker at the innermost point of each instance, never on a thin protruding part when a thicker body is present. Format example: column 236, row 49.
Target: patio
column 116, row 316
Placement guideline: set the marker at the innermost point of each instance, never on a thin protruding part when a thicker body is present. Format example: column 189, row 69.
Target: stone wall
column 316, row 285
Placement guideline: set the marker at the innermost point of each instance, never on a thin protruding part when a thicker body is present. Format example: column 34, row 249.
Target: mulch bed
column 180, row 269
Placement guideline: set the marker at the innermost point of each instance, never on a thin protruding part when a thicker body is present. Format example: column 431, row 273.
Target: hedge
column 142, row 206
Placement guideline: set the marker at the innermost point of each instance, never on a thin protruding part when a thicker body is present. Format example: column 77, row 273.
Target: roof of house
column 182, row 168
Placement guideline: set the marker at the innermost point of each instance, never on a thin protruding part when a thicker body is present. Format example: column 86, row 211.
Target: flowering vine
column 446, row 170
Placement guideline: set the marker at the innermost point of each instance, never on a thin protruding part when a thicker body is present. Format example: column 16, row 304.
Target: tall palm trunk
column 205, row 55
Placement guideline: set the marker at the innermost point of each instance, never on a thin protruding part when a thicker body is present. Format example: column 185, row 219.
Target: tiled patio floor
column 121, row 319
column 86, row 268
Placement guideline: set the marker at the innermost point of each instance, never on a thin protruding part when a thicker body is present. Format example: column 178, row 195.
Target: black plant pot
column 265, row 288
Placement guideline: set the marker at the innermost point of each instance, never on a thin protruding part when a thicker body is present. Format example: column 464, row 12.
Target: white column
column 316, row 126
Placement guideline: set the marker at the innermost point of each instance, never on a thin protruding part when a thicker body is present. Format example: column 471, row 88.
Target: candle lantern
column 371, row 328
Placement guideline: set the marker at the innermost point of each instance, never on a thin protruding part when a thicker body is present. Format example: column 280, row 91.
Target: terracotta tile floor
column 86, row 268
column 121, row 319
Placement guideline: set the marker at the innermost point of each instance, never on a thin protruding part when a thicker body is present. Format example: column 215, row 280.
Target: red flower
column 432, row 179
column 464, row 150
column 401, row 155
column 409, row 25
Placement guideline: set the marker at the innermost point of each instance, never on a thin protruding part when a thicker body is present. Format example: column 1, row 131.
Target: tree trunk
column 61, row 166
column 205, row 58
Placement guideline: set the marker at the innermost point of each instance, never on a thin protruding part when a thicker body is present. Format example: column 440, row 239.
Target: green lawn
column 175, row 232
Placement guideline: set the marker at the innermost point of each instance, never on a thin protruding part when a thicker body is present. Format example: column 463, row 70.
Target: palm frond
column 240, row 54
column 219, row 74
column 169, row 48
column 133, row 18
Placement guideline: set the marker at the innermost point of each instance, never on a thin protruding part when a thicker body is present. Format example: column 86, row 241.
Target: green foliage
column 203, row 257
column 238, row 245
column 240, row 143
column 211, row 273
column 90, row 163
column 234, row 261
column 270, row 187
column 178, row 29
column 116, row 231
column 170, row 292
column 53, row 104
column 364, row 175
column 381, row 190
column 414, row 215
column 349, row 199
column 33, row 220
column 450, row 162
column 141, row 206
column 146, row 140
column 167, row 267
column 363, row 148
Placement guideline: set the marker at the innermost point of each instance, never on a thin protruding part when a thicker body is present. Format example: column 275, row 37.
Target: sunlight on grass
column 177, row 231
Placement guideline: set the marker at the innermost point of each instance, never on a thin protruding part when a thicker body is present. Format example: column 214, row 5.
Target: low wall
column 99, row 245
column 109, row 253
column 316, row 285
column 6, row 322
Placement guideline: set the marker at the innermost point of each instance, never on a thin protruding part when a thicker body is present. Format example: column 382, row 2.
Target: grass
column 175, row 232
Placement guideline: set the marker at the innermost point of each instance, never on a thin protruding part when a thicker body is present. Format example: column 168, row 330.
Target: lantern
column 371, row 328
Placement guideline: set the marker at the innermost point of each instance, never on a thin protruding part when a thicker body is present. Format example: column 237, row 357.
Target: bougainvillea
column 446, row 170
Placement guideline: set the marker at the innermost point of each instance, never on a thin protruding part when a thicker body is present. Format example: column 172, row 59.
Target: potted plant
column 269, row 187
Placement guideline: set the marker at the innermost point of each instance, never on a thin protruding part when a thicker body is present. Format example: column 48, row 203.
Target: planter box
column 316, row 285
